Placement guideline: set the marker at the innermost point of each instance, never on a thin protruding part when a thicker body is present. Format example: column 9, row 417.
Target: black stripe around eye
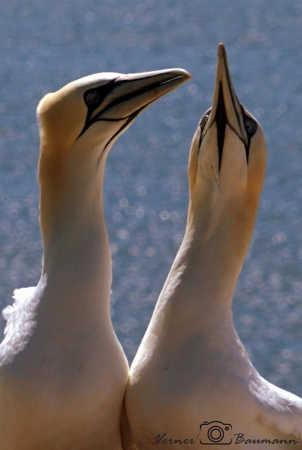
column 94, row 97
column 250, row 126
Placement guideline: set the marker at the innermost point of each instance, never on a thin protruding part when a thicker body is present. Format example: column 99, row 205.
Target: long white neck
column 197, row 296
column 76, row 273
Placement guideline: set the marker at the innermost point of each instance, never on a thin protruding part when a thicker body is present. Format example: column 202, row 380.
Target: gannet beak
column 226, row 108
column 133, row 92
column 128, row 95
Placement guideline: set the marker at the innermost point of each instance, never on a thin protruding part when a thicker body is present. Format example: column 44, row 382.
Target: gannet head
column 226, row 164
column 93, row 111
column 78, row 125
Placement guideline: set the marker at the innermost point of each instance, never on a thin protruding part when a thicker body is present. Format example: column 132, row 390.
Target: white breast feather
column 20, row 321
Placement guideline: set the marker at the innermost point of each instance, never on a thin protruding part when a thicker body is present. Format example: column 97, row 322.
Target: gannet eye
column 92, row 97
column 250, row 126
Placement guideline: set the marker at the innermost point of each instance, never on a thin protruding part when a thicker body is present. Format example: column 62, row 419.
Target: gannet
column 192, row 384
column 62, row 370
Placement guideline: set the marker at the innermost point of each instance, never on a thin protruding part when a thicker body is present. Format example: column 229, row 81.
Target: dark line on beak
column 233, row 97
column 221, row 121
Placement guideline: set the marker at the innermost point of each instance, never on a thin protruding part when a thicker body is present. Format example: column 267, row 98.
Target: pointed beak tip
column 221, row 49
column 222, row 60
column 182, row 74
column 187, row 75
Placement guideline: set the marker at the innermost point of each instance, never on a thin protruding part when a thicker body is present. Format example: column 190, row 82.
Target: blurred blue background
column 46, row 44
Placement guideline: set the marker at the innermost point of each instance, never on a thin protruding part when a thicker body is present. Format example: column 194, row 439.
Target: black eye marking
column 92, row 98
column 250, row 126
column 95, row 96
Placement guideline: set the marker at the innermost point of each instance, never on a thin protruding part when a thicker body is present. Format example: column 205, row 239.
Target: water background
column 43, row 45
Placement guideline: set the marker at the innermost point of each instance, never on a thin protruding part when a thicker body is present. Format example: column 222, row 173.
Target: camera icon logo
column 215, row 433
